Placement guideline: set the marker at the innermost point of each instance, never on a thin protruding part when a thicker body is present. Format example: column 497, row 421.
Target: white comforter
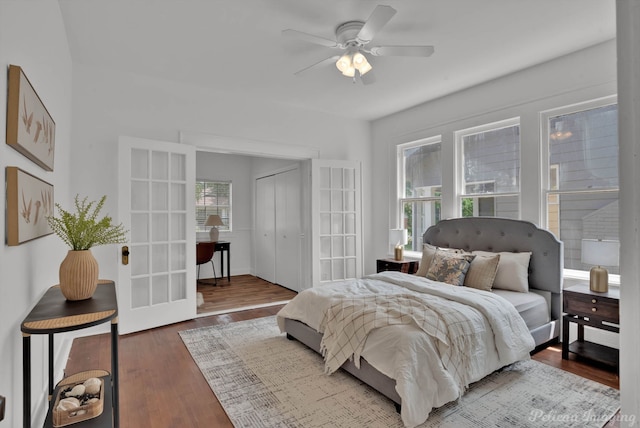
column 411, row 357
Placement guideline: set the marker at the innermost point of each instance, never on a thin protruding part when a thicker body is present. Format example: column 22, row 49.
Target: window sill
column 583, row 275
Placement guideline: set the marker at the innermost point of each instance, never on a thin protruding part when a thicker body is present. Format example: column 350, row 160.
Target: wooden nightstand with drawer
column 406, row 266
column 597, row 310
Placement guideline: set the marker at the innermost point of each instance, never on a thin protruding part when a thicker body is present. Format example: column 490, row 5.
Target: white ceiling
column 236, row 46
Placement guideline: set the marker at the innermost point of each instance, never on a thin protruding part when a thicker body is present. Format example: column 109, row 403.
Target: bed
column 410, row 367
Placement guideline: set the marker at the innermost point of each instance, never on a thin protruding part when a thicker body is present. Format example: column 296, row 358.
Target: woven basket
column 63, row 418
column 78, row 275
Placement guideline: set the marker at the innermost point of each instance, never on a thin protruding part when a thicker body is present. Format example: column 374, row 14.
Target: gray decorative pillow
column 449, row 267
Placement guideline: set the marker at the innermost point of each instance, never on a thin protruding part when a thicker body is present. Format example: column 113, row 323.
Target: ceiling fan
column 353, row 37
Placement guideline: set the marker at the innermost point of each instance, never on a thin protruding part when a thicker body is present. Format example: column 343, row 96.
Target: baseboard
column 242, row 308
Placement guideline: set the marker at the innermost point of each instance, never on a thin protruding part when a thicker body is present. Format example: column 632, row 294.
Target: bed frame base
column 366, row 373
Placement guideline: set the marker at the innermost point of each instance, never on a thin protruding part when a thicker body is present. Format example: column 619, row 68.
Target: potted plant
column 82, row 230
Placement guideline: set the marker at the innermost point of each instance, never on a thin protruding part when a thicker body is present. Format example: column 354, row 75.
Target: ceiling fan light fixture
column 361, row 64
column 344, row 63
column 350, row 72
column 352, row 61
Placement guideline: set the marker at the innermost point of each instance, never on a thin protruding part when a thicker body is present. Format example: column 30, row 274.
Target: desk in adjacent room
column 222, row 247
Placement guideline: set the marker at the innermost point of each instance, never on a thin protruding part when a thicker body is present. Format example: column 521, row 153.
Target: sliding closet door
column 265, row 229
column 287, row 214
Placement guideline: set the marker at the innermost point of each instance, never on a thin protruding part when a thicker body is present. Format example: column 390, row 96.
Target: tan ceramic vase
column 78, row 275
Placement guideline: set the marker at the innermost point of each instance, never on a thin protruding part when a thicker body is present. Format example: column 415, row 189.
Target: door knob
column 125, row 255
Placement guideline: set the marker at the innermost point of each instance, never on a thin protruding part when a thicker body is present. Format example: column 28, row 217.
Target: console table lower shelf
column 103, row 420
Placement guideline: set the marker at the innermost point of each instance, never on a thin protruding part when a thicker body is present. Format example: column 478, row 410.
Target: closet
column 277, row 238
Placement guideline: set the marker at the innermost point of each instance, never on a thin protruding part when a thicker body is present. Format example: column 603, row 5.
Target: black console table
column 55, row 314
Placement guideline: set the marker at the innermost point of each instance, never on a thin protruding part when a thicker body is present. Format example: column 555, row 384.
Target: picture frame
column 29, row 203
column 30, row 128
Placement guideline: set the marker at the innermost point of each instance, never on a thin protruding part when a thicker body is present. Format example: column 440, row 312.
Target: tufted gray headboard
column 502, row 234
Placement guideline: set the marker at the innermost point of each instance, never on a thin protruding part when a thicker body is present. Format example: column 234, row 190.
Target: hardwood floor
column 161, row 386
column 243, row 291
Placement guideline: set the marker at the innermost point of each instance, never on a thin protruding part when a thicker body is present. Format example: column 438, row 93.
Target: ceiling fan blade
column 420, row 51
column 310, row 38
column 326, row 61
column 368, row 78
column 378, row 19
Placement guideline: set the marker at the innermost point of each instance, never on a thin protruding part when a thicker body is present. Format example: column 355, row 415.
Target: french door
column 336, row 212
column 157, row 205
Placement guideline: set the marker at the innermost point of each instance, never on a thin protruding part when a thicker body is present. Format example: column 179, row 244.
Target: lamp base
column 398, row 253
column 214, row 233
column 599, row 279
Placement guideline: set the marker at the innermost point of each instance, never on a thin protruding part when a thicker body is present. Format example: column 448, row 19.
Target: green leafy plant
column 82, row 230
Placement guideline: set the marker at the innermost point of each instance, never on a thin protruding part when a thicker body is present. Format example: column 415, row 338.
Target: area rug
column 264, row 380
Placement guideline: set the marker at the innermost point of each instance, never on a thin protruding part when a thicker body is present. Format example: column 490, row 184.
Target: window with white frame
column 580, row 185
column 213, row 197
column 419, row 188
column 488, row 177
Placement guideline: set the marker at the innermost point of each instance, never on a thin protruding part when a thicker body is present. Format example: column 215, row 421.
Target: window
column 213, row 197
column 581, row 182
column 489, row 170
column 419, row 188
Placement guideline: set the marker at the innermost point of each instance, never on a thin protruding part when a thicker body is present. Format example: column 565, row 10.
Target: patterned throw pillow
column 427, row 255
column 449, row 267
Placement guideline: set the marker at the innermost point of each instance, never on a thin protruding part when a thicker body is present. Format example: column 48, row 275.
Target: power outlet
column 2, row 400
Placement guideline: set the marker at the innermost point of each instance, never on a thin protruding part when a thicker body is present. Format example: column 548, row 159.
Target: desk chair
column 204, row 254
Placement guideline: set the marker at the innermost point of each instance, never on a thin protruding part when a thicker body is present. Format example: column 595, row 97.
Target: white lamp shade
column 398, row 237
column 599, row 252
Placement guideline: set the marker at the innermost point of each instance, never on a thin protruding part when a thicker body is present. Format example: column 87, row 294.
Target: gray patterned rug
column 264, row 380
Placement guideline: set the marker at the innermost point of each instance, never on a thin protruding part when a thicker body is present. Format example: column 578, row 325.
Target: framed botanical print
column 29, row 203
column 30, row 128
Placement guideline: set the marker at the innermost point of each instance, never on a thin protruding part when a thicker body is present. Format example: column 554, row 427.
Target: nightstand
column 597, row 310
column 406, row 266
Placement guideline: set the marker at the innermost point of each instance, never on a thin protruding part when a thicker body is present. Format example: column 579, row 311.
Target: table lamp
column 214, row 221
column 398, row 238
column 600, row 253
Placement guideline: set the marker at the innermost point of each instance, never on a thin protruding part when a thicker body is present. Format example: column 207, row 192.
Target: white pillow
column 513, row 270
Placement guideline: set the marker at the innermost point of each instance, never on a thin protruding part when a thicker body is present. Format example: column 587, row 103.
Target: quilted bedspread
column 433, row 339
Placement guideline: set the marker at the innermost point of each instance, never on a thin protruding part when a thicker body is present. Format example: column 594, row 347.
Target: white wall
column 107, row 104
column 577, row 77
column 237, row 169
column 32, row 36
column 110, row 103
column 628, row 28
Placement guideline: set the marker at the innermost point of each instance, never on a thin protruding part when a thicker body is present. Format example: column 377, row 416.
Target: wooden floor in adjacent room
column 241, row 292
column 161, row 386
